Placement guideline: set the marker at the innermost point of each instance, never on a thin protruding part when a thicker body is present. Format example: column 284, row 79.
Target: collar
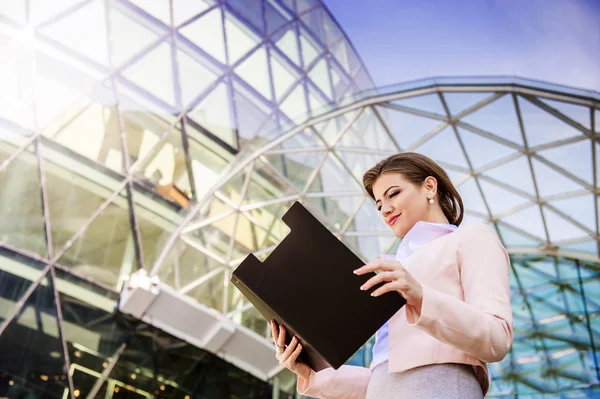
column 421, row 234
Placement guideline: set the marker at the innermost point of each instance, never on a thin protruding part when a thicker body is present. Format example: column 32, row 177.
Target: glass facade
column 171, row 135
column 523, row 156
column 116, row 118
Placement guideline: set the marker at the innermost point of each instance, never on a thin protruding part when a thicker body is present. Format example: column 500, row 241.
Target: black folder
column 308, row 285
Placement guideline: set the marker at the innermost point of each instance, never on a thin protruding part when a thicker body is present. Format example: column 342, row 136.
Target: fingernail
column 356, row 271
column 373, row 294
column 362, row 287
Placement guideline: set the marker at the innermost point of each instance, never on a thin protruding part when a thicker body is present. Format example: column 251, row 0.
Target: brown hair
column 416, row 168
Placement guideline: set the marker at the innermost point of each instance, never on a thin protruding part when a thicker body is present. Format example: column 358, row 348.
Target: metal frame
column 259, row 166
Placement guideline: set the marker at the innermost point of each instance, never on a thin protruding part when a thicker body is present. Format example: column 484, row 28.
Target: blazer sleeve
column 346, row 382
column 481, row 325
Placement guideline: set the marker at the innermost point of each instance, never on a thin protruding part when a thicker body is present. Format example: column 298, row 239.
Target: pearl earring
column 431, row 201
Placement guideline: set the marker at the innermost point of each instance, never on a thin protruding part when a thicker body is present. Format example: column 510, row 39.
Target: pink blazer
column 465, row 316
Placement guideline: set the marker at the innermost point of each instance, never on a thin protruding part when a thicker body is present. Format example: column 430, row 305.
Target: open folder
column 308, row 285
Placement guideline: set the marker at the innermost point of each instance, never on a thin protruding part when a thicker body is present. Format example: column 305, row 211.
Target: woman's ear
column 430, row 185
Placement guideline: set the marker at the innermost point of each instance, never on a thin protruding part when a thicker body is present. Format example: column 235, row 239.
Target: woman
column 456, row 284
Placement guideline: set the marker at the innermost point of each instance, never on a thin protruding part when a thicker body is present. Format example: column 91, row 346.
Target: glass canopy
column 524, row 159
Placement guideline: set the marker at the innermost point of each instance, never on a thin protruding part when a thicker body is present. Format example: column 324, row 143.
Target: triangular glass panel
column 408, row 128
column 15, row 11
column 443, row 147
column 528, row 220
column 499, row 199
column 330, row 128
column 156, row 63
column 513, row 238
column 286, row 40
column 213, row 114
column 296, row 167
column 586, row 246
column 284, row 75
column 581, row 209
column 333, row 32
column 160, row 10
column 128, row 35
column 233, row 188
column 240, row 38
column 516, row 173
column 318, row 105
column 21, row 209
column 305, row 5
column 251, row 113
column 95, row 254
column 577, row 113
column 561, row 229
column 194, row 76
column 320, row 77
column 367, row 132
column 255, row 71
column 184, row 10
column 154, row 229
column 53, row 100
column 40, row 10
column 213, row 239
column 251, row 11
column 304, row 139
column 276, row 16
column 294, row 105
column 310, row 50
column 209, row 293
column 428, row 103
column 334, row 178
column 541, row 127
column 161, row 166
column 91, row 42
column 341, row 53
column 341, row 84
column 32, row 351
column 499, row 118
column 358, row 163
column 575, row 158
column 207, row 34
column 336, row 210
column 458, row 102
column 313, row 19
column 95, row 133
column 482, row 151
column 550, row 182
column 471, row 196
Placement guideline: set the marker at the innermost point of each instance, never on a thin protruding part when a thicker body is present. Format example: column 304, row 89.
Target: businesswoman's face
column 402, row 203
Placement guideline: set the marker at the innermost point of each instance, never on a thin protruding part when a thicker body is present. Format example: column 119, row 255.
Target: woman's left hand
column 396, row 278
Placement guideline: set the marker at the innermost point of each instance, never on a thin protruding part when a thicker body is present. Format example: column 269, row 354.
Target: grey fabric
column 444, row 381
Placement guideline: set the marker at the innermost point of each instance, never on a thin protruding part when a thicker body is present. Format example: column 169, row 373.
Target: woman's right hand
column 289, row 355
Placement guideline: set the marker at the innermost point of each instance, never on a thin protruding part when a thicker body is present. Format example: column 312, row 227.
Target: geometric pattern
column 523, row 156
column 62, row 337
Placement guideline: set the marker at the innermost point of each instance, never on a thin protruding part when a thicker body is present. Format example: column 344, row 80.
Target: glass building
column 116, row 117
column 147, row 146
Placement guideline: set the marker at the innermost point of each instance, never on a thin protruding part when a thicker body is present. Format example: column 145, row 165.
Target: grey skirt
column 447, row 381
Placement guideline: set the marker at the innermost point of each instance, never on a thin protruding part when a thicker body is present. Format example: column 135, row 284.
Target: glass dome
column 523, row 156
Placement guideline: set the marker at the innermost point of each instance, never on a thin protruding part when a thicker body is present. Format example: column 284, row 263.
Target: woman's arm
column 481, row 325
column 346, row 382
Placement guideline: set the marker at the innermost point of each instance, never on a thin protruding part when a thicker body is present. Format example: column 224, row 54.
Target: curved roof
column 522, row 154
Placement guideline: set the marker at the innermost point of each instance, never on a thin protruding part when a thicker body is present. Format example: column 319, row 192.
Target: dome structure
column 116, row 117
column 521, row 153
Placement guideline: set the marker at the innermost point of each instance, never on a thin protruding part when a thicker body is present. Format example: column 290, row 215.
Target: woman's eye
column 378, row 209
column 392, row 195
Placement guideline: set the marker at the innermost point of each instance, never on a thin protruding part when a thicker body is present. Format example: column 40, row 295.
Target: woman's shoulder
column 475, row 231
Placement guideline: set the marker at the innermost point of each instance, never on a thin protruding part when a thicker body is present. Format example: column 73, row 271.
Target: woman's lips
column 393, row 220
